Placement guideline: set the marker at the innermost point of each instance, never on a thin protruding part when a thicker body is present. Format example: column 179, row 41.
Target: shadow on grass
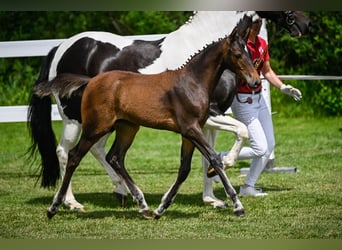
column 107, row 200
column 109, row 207
column 134, row 214
column 104, row 205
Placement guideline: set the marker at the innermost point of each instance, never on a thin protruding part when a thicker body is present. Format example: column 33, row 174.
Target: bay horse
column 175, row 100
column 90, row 53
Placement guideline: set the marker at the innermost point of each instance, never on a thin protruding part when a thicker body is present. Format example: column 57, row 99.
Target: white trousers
column 258, row 120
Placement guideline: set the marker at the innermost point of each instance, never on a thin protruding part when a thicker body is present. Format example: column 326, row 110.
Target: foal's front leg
column 208, row 195
column 229, row 124
column 198, row 139
column 183, row 172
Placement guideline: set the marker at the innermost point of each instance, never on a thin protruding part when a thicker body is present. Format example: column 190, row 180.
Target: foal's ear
column 244, row 27
column 234, row 33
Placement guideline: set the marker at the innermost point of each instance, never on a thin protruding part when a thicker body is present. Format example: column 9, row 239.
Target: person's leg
column 258, row 152
column 262, row 144
column 259, row 123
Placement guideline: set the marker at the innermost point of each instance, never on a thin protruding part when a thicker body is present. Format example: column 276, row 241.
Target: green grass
column 303, row 205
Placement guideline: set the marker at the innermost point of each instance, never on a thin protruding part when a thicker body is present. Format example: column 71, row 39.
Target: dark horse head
column 294, row 21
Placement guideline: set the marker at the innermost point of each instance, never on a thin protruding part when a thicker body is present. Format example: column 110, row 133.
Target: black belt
column 251, row 93
column 249, row 99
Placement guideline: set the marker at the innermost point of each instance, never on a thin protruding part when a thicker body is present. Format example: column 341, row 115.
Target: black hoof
column 239, row 213
column 211, row 172
column 50, row 214
column 157, row 216
column 122, row 199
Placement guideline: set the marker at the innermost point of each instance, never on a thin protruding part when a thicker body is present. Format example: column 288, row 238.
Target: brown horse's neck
column 207, row 66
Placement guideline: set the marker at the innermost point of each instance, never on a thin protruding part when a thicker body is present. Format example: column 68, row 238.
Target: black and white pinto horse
column 90, row 53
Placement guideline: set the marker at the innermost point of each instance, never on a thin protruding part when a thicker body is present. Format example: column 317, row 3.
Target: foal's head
column 237, row 57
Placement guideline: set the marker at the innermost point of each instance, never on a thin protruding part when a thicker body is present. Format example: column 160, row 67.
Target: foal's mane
column 200, row 52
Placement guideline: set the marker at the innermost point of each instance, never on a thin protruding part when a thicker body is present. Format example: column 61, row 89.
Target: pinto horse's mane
column 186, row 41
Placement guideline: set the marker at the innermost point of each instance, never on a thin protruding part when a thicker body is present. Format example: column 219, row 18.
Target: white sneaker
column 251, row 191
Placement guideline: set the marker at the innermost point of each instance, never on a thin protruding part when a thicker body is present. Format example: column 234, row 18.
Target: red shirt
column 259, row 54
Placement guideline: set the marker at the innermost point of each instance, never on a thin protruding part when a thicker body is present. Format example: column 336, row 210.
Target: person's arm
column 269, row 74
column 272, row 77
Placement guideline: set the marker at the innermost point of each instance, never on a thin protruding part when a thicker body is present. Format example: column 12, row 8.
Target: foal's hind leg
column 183, row 172
column 125, row 133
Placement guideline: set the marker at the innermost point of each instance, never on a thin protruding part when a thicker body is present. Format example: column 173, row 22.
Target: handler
column 250, row 108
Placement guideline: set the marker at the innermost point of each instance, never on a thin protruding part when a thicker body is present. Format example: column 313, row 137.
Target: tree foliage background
column 319, row 53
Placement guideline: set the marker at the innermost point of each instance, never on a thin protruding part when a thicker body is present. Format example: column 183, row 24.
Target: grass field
column 303, row 205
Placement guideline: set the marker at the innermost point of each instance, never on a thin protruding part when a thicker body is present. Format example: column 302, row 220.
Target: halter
column 289, row 17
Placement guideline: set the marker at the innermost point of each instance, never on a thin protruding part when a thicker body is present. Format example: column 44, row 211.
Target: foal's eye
column 238, row 56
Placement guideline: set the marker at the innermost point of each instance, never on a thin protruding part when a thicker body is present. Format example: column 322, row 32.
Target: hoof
column 156, row 216
column 74, row 205
column 146, row 214
column 122, row 199
column 50, row 214
column 239, row 213
column 214, row 202
column 78, row 209
column 228, row 163
column 211, row 172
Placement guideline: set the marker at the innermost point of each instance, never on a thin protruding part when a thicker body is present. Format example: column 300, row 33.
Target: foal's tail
column 40, row 128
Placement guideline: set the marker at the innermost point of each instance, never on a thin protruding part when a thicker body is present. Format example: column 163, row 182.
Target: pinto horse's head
column 237, row 56
column 296, row 22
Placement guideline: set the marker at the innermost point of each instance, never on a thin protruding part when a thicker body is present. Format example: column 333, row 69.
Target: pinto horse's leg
column 196, row 136
column 125, row 134
column 120, row 192
column 70, row 132
column 208, row 194
column 183, row 172
column 74, row 158
column 229, row 124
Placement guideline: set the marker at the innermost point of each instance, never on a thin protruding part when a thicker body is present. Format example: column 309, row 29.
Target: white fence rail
column 34, row 48
column 31, row 48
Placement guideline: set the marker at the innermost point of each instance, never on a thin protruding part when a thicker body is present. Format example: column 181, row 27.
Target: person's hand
column 291, row 91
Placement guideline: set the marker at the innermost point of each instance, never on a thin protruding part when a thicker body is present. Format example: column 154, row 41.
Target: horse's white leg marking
column 98, row 151
column 161, row 208
column 140, row 198
column 229, row 124
column 69, row 136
